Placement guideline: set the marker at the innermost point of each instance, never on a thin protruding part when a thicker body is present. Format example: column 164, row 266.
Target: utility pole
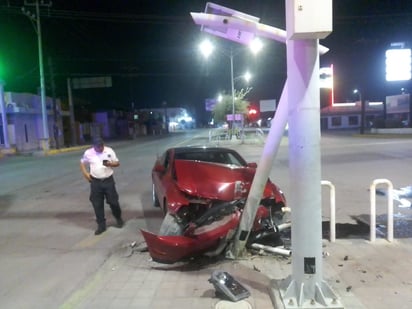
column 232, row 89
column 71, row 107
column 3, row 115
column 362, row 115
column 362, row 126
column 55, row 118
column 37, row 27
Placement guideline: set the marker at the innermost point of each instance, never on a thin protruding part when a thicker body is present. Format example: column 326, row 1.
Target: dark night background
column 150, row 50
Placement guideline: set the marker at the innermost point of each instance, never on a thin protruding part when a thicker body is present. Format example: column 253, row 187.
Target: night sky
column 150, row 50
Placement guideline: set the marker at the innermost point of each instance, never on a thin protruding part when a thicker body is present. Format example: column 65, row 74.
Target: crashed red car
column 202, row 192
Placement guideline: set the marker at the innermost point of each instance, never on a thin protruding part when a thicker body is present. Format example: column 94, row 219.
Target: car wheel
column 154, row 197
column 170, row 227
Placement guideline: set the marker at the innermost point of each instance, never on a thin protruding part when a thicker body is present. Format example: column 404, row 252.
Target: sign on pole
column 92, row 82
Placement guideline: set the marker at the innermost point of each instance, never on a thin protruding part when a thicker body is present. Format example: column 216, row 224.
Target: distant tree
column 225, row 106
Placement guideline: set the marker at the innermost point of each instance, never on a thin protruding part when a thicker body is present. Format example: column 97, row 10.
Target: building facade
column 395, row 112
column 24, row 122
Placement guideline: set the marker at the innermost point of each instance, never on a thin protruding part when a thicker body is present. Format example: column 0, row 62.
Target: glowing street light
column 206, row 48
column 255, row 46
column 247, row 77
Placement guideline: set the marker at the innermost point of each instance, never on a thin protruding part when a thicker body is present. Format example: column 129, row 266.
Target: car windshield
column 211, row 156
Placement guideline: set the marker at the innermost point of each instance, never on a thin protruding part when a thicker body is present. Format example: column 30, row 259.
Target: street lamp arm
column 247, row 76
column 228, row 22
column 32, row 18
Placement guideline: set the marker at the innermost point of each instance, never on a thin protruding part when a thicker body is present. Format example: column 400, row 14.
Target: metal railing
column 240, row 134
column 373, row 186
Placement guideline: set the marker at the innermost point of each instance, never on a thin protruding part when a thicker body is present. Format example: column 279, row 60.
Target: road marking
column 88, row 241
column 78, row 296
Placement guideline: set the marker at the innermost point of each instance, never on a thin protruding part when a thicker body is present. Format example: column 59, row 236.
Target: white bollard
column 372, row 191
column 332, row 222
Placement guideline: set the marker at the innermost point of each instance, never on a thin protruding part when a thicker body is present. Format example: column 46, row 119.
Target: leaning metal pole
column 270, row 150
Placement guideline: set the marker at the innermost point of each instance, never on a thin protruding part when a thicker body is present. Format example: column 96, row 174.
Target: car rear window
column 210, row 156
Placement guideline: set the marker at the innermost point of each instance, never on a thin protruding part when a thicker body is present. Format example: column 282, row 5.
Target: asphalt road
column 47, row 223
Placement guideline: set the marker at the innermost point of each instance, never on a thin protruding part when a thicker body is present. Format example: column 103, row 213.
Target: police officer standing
column 101, row 160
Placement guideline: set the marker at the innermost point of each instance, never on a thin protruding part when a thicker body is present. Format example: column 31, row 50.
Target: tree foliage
column 225, row 106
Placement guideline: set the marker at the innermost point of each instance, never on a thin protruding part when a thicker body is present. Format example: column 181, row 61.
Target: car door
column 162, row 177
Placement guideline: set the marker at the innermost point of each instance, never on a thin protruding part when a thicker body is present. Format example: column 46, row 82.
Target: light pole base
column 288, row 294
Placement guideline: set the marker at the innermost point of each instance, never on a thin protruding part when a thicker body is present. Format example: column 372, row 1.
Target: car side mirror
column 252, row 165
column 159, row 168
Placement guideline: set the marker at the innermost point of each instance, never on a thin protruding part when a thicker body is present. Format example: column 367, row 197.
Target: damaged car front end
column 203, row 192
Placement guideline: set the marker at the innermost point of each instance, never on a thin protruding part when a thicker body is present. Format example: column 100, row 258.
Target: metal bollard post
column 372, row 191
column 332, row 222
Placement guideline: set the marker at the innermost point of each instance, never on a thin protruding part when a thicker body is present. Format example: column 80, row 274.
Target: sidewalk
column 129, row 279
column 362, row 274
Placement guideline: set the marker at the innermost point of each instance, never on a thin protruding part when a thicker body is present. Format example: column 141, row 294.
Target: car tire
column 155, row 199
column 170, row 227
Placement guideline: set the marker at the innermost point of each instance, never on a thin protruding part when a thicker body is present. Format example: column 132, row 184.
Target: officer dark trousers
column 99, row 190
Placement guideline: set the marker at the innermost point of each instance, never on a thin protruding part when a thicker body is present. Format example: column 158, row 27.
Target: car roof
column 201, row 148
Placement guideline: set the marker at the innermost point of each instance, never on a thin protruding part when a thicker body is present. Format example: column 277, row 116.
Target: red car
column 202, row 192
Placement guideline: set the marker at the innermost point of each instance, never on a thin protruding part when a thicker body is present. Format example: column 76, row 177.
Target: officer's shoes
column 99, row 230
column 119, row 223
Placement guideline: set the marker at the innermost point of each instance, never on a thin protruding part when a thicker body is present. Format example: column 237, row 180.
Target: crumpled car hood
column 212, row 180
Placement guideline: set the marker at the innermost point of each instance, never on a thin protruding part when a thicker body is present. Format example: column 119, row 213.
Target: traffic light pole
column 306, row 24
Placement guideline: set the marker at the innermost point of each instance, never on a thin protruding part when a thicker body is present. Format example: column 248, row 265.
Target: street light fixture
column 256, row 46
column 362, row 120
column 207, row 48
column 247, row 77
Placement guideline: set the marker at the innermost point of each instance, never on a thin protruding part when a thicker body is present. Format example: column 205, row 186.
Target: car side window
column 233, row 160
column 166, row 162
column 222, row 158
